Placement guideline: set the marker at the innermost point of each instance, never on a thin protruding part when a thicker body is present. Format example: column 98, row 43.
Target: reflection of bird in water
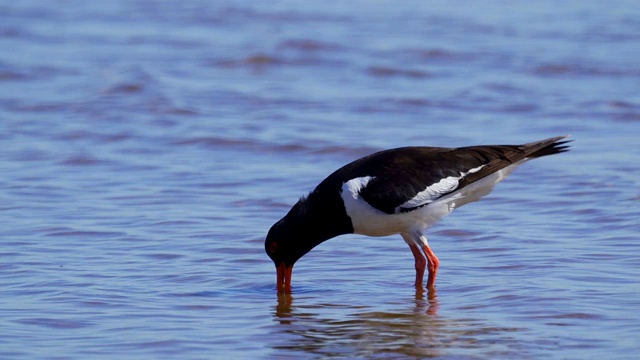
column 283, row 308
column 327, row 328
column 429, row 305
column 399, row 191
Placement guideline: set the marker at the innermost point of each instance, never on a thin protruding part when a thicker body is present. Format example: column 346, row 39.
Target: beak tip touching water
column 283, row 283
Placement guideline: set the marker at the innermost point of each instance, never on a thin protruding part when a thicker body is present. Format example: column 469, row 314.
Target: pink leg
column 421, row 264
column 433, row 264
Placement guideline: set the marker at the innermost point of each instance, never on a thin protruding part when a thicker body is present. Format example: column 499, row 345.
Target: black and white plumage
column 398, row 191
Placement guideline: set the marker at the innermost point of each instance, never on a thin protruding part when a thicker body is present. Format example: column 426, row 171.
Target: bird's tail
column 554, row 145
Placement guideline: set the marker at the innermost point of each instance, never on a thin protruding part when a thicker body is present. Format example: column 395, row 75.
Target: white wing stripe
column 435, row 191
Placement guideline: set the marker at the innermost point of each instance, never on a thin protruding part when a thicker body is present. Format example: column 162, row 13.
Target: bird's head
column 286, row 243
column 280, row 246
column 312, row 220
column 291, row 238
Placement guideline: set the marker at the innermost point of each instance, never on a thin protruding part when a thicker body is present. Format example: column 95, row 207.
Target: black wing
column 398, row 175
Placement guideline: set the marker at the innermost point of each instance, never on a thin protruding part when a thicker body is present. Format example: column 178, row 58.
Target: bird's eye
column 273, row 247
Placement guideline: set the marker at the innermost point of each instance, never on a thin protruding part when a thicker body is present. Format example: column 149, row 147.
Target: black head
column 310, row 221
column 285, row 242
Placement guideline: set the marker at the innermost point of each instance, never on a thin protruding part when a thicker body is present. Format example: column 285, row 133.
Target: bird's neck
column 324, row 217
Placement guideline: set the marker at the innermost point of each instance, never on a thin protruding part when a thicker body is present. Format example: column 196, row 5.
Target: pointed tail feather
column 546, row 147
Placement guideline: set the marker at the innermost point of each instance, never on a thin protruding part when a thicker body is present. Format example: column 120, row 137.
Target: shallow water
column 147, row 147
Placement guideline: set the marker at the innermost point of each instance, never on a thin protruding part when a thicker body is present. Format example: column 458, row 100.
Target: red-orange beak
column 283, row 285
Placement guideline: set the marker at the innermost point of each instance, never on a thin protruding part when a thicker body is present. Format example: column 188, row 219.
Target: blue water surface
column 147, row 147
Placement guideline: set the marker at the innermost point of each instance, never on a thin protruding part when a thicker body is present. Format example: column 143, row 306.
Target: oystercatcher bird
column 398, row 191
